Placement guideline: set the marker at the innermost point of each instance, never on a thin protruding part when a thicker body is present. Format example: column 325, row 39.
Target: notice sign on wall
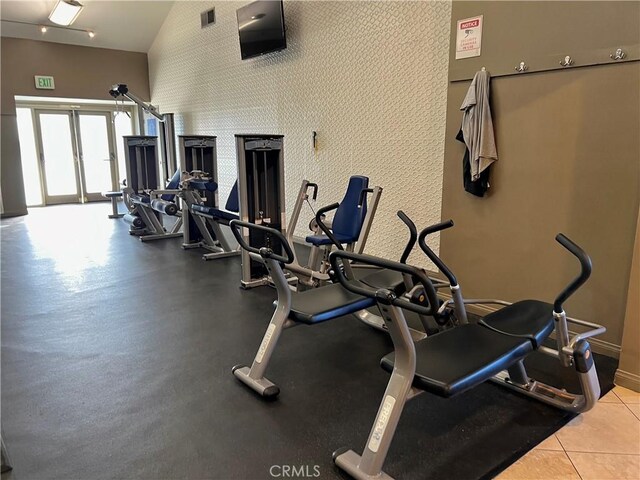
column 45, row 82
column 469, row 37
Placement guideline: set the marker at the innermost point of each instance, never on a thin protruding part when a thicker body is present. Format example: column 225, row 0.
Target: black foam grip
column 363, row 195
column 315, row 190
column 327, row 231
column 585, row 271
column 364, row 290
column 582, row 356
column 264, row 252
column 431, row 254
column 413, row 235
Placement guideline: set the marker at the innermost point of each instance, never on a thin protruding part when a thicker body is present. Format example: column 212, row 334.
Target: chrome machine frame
column 199, row 155
column 316, row 272
column 167, row 133
column 261, row 189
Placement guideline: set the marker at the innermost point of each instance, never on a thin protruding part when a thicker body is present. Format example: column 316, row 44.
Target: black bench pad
column 215, row 212
column 528, row 317
column 384, row 278
column 458, row 359
column 325, row 303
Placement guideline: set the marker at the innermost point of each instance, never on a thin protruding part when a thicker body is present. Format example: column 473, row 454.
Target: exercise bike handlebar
column 431, row 254
column 264, row 252
column 413, row 235
column 385, row 295
column 585, row 271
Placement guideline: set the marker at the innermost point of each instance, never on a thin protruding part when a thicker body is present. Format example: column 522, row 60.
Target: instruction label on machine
column 469, row 37
column 381, row 424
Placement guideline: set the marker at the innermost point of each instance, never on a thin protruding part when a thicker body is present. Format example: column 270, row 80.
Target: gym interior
column 442, row 196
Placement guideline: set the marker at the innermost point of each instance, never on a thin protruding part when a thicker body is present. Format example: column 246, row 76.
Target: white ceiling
column 121, row 25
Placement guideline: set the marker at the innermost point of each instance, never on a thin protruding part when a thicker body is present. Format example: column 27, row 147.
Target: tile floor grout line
column 604, row 453
column 573, row 464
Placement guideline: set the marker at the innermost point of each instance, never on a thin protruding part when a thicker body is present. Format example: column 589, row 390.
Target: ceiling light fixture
column 91, row 34
column 43, row 29
column 65, row 12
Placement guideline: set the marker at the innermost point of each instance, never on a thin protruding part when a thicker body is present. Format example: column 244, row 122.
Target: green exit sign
column 45, row 82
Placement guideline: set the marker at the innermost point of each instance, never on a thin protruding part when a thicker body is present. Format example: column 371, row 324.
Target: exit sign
column 45, row 82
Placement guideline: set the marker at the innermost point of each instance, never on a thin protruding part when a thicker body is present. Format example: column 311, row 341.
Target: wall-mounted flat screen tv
column 261, row 28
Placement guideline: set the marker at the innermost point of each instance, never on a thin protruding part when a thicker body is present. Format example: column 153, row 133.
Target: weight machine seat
column 172, row 185
column 530, row 318
column 325, row 303
column 455, row 360
column 319, row 240
column 233, row 202
column 349, row 217
column 388, row 279
column 198, row 184
column 139, row 198
column 216, row 213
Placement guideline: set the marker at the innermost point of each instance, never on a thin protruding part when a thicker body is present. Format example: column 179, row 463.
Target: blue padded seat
column 458, row 359
column 530, row 318
column 318, row 240
column 349, row 217
column 232, row 206
column 215, row 212
column 172, row 185
column 197, row 184
column 233, row 202
column 325, row 303
column 139, row 198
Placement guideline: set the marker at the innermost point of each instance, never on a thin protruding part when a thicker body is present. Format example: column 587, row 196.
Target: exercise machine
column 201, row 216
column 309, row 307
column 146, row 202
column 167, row 133
column 350, row 226
column 261, row 197
column 462, row 357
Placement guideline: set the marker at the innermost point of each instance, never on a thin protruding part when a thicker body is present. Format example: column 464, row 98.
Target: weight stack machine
column 199, row 154
column 261, row 190
column 141, row 162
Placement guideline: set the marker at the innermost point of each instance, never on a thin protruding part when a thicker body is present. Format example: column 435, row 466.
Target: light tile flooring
column 601, row 444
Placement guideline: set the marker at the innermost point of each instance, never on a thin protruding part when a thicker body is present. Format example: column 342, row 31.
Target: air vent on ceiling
column 208, row 18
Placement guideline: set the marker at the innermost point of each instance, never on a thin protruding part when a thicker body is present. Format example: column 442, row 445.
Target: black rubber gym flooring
column 117, row 356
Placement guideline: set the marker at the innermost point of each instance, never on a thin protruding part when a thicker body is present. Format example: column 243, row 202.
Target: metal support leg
column 254, row 376
column 369, row 465
column 114, row 208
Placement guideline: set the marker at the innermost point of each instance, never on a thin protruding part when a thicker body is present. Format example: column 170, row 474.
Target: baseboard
column 14, row 214
column 627, row 380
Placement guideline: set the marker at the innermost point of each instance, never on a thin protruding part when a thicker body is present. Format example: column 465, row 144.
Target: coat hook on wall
column 522, row 67
column 567, row 62
column 618, row 55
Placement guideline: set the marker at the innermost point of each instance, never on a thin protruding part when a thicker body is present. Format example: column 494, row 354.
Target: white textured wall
column 369, row 77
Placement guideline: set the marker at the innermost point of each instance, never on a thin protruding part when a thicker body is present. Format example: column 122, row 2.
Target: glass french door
column 97, row 159
column 58, row 156
column 77, row 156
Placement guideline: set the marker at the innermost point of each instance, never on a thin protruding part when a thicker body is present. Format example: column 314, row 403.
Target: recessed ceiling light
column 43, row 29
column 91, row 34
column 65, row 12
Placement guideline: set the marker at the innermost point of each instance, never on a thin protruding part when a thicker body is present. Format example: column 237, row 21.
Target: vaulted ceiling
column 121, row 25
